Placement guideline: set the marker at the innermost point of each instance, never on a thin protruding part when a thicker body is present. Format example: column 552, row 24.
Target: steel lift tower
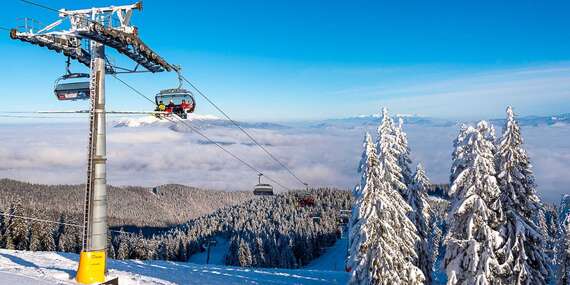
column 83, row 36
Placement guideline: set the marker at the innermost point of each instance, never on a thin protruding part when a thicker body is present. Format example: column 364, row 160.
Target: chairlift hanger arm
column 95, row 24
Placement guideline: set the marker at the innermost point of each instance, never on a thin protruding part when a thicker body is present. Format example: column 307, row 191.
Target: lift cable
column 37, row 117
column 196, row 130
column 227, row 151
column 177, row 69
column 243, row 130
column 40, row 5
column 51, row 222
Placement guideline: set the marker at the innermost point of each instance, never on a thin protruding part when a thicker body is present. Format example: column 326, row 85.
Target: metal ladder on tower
column 90, row 154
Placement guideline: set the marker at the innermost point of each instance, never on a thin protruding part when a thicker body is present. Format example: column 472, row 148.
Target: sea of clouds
column 152, row 153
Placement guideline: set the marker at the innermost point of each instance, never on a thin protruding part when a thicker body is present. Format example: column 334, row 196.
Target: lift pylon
column 100, row 28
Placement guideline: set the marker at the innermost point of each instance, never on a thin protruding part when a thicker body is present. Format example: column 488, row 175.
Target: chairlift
column 306, row 199
column 176, row 101
column 262, row 189
column 69, row 88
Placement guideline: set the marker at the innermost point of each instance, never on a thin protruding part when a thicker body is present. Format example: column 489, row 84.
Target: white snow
column 25, row 267
column 13, row 278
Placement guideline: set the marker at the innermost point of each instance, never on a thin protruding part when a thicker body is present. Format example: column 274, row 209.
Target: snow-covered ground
column 24, row 267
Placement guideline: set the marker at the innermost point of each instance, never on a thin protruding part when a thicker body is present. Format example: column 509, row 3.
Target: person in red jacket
column 184, row 105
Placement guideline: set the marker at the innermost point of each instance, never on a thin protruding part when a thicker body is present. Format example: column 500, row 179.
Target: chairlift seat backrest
column 263, row 189
column 72, row 91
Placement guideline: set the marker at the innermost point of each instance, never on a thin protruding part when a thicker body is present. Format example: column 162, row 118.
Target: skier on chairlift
column 161, row 107
column 185, row 106
column 170, row 107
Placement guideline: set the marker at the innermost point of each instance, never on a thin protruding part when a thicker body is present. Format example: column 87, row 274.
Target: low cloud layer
column 323, row 156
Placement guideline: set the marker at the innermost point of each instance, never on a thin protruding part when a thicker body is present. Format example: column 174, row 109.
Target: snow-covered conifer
column 418, row 200
column 421, row 216
column 475, row 215
column 388, row 152
column 401, row 145
column 382, row 239
column 522, row 251
column 368, row 147
column 564, row 256
column 244, row 254
column 458, row 159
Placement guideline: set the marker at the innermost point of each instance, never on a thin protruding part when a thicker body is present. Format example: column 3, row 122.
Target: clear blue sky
column 283, row 60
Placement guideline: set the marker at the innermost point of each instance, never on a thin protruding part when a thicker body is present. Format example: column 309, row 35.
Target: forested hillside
column 138, row 206
column 274, row 231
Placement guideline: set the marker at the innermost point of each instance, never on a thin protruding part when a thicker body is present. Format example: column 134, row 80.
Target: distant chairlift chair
column 262, row 189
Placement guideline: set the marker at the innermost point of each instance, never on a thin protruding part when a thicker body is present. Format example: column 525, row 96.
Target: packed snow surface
column 25, row 267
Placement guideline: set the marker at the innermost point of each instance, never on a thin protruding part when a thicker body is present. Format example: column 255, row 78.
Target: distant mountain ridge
column 562, row 119
column 354, row 122
column 374, row 119
column 198, row 121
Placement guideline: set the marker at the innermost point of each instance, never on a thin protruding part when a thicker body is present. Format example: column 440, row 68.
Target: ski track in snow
column 25, row 267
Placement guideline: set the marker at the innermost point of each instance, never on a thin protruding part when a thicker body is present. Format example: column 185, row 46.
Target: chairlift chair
column 262, row 189
column 306, row 198
column 177, row 96
column 69, row 88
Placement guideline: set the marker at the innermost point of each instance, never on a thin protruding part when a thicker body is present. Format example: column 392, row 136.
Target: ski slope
column 334, row 257
column 217, row 253
column 25, row 267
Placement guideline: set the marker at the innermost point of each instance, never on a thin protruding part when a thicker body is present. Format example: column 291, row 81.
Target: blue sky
column 290, row 60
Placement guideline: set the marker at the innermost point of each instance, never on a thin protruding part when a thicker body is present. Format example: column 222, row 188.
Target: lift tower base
column 91, row 268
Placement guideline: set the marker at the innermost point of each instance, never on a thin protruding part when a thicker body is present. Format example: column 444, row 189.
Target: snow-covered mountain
column 556, row 120
column 373, row 120
column 199, row 121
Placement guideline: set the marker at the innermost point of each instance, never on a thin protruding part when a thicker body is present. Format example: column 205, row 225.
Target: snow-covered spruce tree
column 386, row 147
column 393, row 153
column 401, row 145
column 562, row 248
column 421, row 215
column 522, row 251
column 368, row 148
column 244, row 254
column 564, row 256
column 368, row 152
column 476, row 214
column 382, row 239
column 418, row 199
column 458, row 159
